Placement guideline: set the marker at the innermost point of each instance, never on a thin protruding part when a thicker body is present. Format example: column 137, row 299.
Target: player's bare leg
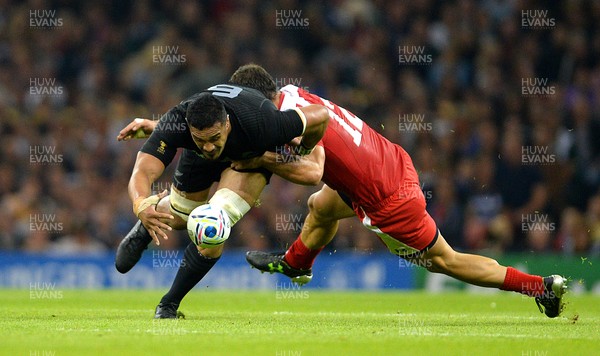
column 486, row 272
column 326, row 208
column 247, row 186
column 165, row 206
column 242, row 189
column 473, row 269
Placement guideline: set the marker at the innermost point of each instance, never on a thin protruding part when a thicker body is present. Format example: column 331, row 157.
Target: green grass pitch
column 286, row 323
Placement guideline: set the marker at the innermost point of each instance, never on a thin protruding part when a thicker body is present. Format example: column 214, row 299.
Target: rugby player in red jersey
column 370, row 177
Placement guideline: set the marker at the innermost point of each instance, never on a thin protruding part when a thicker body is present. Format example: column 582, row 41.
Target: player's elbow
column 315, row 166
column 323, row 115
column 322, row 119
column 313, row 177
column 308, row 176
column 317, row 116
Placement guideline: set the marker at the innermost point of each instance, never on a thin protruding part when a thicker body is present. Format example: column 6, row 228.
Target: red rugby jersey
column 358, row 161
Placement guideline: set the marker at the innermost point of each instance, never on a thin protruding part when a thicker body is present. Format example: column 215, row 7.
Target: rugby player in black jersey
column 222, row 124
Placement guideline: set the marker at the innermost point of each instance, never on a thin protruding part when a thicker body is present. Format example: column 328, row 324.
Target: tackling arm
column 305, row 170
column 316, row 118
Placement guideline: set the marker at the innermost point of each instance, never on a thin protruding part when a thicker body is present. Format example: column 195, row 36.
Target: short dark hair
column 205, row 111
column 255, row 77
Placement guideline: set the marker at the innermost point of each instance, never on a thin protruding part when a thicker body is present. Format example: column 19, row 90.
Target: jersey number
column 352, row 124
column 226, row 91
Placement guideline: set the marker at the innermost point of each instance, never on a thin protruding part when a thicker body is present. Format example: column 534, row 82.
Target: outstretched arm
column 138, row 128
column 145, row 172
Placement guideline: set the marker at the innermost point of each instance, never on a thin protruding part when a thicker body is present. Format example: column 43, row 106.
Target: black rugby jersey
column 256, row 126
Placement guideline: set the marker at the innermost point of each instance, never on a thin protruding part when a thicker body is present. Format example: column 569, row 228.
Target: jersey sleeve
column 279, row 127
column 168, row 135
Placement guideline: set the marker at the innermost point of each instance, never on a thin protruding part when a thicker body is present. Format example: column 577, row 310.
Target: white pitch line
column 436, row 315
column 509, row 336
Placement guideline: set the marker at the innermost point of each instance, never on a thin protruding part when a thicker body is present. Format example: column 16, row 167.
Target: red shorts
column 401, row 221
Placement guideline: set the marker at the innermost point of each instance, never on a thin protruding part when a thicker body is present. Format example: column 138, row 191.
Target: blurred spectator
column 539, row 240
column 573, row 236
column 445, row 209
column 519, row 180
column 593, row 222
column 486, row 225
column 78, row 242
column 584, row 150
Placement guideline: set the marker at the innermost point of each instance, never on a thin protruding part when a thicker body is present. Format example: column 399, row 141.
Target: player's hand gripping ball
column 208, row 226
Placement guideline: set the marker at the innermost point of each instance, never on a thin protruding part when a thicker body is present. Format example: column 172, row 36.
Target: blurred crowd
column 497, row 103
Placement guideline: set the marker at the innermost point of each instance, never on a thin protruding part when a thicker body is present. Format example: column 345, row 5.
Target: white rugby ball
column 208, row 226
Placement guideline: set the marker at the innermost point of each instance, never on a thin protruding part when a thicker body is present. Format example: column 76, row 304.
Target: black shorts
column 195, row 174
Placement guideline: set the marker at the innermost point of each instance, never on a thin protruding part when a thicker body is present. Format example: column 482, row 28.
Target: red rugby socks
column 524, row 283
column 299, row 256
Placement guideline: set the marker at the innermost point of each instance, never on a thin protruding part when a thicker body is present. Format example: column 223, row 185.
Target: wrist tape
column 141, row 203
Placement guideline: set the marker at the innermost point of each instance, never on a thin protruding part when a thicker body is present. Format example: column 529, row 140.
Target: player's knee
column 311, row 204
column 436, row 265
column 317, row 209
column 234, row 205
column 443, row 263
column 164, row 206
column 441, row 258
column 492, row 262
column 212, row 252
